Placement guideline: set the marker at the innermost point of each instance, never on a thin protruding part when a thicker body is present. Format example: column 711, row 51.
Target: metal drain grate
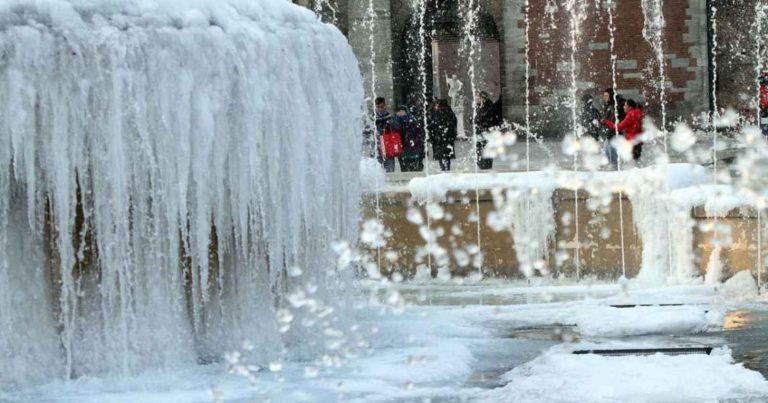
column 636, row 305
column 648, row 351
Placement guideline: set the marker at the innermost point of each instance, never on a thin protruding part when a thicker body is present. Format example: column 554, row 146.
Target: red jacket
column 631, row 126
column 764, row 96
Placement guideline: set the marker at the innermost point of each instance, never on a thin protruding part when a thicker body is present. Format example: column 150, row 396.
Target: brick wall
column 736, row 54
column 685, row 59
column 686, row 45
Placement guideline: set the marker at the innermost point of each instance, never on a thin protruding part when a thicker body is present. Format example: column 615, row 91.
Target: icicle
column 167, row 178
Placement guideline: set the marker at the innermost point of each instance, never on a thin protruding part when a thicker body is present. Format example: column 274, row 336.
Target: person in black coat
column 413, row 140
column 443, row 133
column 590, row 115
column 608, row 112
column 487, row 116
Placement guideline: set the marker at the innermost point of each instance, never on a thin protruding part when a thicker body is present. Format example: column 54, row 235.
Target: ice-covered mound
column 606, row 321
column 161, row 164
column 561, row 376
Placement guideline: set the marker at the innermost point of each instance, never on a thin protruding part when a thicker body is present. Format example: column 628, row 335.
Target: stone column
column 697, row 91
column 376, row 66
column 513, row 12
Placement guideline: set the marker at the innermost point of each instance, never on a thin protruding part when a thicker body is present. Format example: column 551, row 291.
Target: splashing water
column 760, row 18
column 527, row 85
column 152, row 190
column 576, row 9
column 470, row 44
column 610, row 7
column 653, row 32
column 326, row 8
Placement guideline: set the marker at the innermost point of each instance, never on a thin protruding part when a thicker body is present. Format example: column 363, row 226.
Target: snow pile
column 606, row 321
column 715, row 269
column 598, row 320
column 561, row 376
column 741, row 286
column 437, row 187
column 717, row 200
column 179, row 156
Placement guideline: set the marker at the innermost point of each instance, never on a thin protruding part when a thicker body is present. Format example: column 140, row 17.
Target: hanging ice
column 162, row 163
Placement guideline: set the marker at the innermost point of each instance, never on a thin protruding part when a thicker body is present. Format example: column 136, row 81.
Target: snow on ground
column 606, row 321
column 490, row 353
column 437, row 187
column 559, row 376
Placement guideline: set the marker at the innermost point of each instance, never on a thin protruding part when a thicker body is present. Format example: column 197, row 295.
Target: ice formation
column 662, row 198
column 162, row 164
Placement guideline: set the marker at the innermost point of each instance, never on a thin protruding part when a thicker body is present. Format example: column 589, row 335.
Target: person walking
column 608, row 113
column 412, row 134
column 590, row 115
column 443, row 133
column 631, row 127
column 383, row 120
column 487, row 116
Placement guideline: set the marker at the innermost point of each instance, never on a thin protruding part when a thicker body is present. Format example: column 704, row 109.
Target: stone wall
column 599, row 237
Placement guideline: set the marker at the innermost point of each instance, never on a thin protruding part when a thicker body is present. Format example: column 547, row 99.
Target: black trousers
column 445, row 164
column 483, row 163
column 411, row 165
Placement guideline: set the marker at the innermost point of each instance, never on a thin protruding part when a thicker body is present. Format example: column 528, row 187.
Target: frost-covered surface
column 741, row 286
column 437, row 187
column 457, row 352
column 165, row 120
column 606, row 321
column 656, row 378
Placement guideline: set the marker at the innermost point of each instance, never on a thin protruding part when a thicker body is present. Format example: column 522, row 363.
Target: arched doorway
column 447, row 54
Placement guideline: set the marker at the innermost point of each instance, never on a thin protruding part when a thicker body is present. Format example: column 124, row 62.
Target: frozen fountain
column 165, row 168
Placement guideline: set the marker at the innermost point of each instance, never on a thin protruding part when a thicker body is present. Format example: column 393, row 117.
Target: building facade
column 689, row 56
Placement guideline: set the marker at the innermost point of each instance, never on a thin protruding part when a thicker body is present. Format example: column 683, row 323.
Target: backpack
column 390, row 143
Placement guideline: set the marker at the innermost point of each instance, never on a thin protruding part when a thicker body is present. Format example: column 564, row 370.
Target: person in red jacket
column 631, row 127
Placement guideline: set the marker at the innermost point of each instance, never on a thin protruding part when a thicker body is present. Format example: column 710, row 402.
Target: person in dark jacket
column 487, row 116
column 608, row 112
column 412, row 133
column 443, row 133
column 419, row 108
column 590, row 115
column 382, row 118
